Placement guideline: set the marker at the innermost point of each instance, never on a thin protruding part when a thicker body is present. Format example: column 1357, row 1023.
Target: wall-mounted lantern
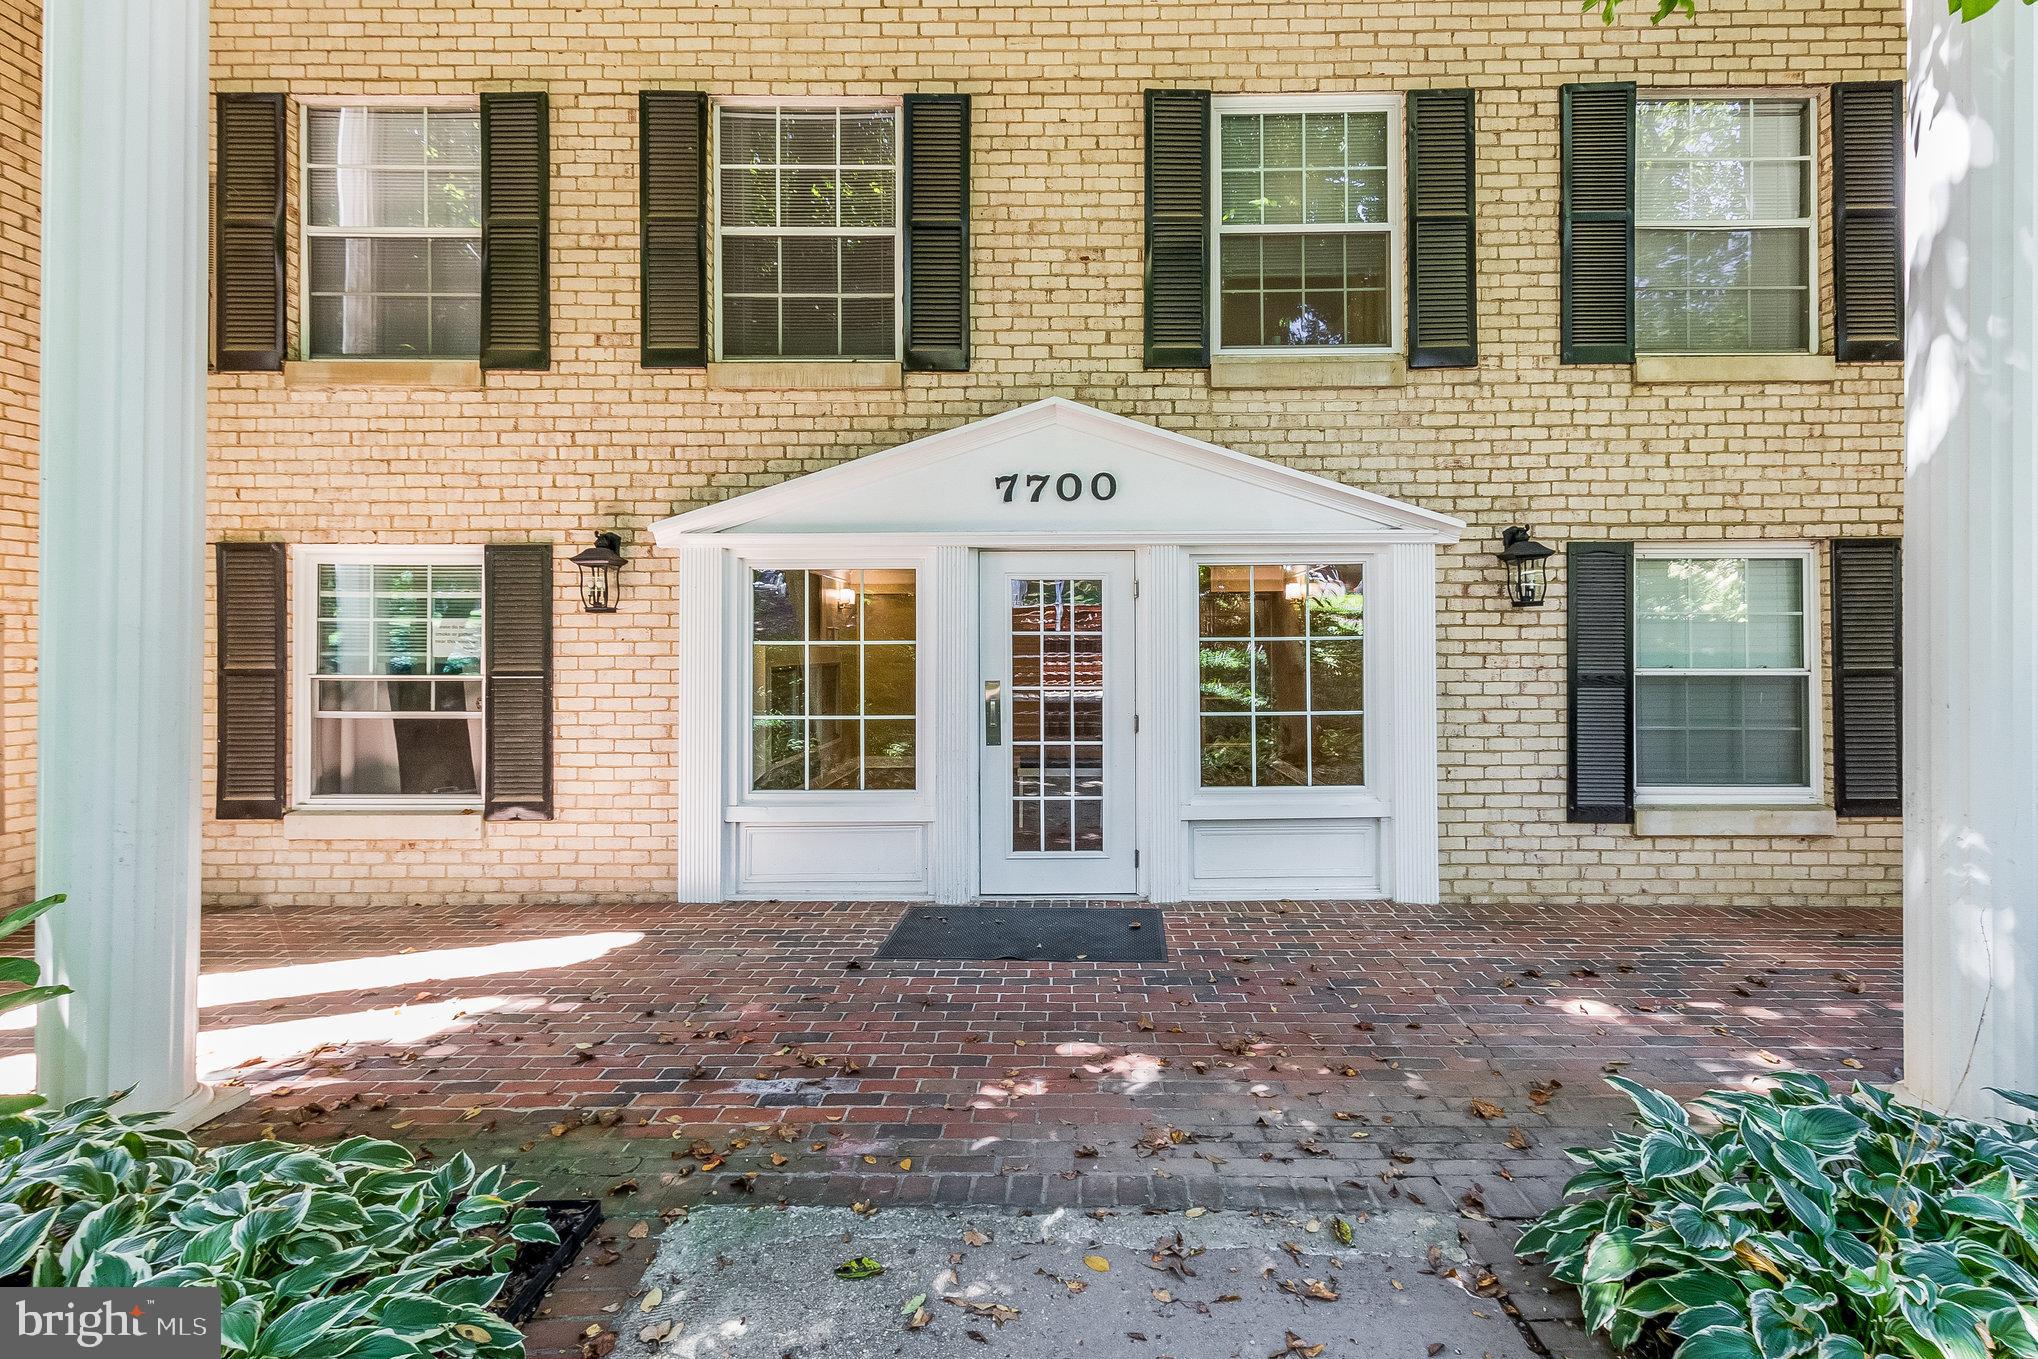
column 1527, row 579
column 601, row 569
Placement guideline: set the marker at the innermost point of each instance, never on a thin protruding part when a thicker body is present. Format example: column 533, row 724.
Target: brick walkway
column 1290, row 1056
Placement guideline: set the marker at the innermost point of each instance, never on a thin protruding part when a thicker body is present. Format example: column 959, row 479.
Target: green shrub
column 1800, row 1222
column 352, row 1251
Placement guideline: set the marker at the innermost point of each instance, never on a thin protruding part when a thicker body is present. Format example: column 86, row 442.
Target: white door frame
column 1114, row 870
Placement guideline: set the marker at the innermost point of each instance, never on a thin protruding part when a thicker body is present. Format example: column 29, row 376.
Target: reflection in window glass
column 1281, row 675
column 1722, row 688
column 1723, row 204
column 392, row 232
column 808, row 232
column 396, row 693
column 832, row 697
column 1304, row 229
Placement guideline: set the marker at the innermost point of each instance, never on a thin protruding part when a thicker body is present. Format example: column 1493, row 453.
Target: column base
column 204, row 1104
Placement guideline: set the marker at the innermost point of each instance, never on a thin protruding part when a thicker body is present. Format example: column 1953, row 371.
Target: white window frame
column 1304, row 800
column 1811, row 793
column 1809, row 223
column 306, row 231
column 716, row 231
column 1394, row 228
column 739, row 793
column 305, row 560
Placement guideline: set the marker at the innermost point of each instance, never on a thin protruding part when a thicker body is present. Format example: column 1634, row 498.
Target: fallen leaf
column 996, row 1311
column 1196, row 1212
column 1342, row 1230
column 1850, row 1063
column 651, row 1300
column 639, row 1232
column 1517, row 1140
column 1098, row 1263
column 918, row 1320
column 917, row 1302
column 973, row 1237
column 1297, row 1346
column 467, row 1330
column 1487, row 1109
column 1436, row 1347
column 860, row 1267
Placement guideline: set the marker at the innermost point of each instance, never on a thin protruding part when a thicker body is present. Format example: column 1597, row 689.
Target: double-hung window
column 391, row 694
column 1307, row 197
column 1281, row 661
column 1725, row 253
column 1724, row 703
column 807, row 241
column 392, row 231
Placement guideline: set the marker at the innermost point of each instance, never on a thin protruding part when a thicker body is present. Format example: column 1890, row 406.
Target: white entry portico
column 1057, row 652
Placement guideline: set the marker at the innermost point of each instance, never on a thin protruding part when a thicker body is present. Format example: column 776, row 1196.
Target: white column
column 1406, row 613
column 122, row 595
column 702, row 721
column 1971, row 559
column 955, row 733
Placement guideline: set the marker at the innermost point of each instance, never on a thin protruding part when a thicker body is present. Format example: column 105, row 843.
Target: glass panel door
column 1057, row 758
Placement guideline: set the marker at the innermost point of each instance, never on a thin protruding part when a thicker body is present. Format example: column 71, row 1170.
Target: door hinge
column 1135, row 589
column 1135, row 858
column 1135, row 724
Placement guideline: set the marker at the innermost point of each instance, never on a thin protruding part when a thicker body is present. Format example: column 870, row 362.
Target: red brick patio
column 593, row 1045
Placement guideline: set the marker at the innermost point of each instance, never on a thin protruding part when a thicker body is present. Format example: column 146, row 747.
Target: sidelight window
column 833, row 676
column 1281, row 662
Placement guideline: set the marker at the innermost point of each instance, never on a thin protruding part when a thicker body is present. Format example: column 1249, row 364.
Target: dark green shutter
column 517, row 702
column 937, row 232
column 250, row 596
column 248, row 234
column 1868, row 221
column 1443, row 278
column 1600, row 618
column 516, row 303
column 1868, row 691
column 672, row 177
column 1178, row 228
column 1599, row 223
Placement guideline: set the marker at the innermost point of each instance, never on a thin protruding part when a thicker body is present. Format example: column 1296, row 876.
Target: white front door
column 1056, row 815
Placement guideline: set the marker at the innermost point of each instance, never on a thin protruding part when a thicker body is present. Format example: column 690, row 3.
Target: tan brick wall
column 20, row 246
column 1577, row 452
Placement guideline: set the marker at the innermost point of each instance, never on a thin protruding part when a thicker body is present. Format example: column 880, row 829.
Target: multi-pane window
column 392, row 232
column 832, row 695
column 1723, row 230
column 1305, row 227
column 1282, row 675
column 395, row 697
column 808, row 246
column 1722, row 673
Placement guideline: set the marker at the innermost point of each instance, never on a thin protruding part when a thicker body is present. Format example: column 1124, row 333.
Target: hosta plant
column 1801, row 1222
column 352, row 1251
column 23, row 977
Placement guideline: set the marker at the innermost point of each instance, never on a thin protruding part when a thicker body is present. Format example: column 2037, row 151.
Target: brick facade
column 596, row 442
column 20, row 245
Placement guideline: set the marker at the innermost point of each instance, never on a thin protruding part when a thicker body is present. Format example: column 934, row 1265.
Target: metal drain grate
column 1028, row 934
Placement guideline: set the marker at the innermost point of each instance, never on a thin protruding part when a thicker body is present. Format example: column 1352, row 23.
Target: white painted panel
column 1320, row 858
column 829, row 860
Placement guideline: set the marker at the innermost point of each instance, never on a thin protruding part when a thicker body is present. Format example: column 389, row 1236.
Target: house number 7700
column 1067, row 486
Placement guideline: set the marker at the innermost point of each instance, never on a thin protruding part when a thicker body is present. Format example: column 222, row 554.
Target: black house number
column 1067, row 486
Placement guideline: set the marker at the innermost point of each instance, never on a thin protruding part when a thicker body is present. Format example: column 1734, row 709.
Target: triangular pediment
column 1103, row 474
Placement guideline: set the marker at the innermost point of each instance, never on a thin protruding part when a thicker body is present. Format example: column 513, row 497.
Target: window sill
column 329, row 823
column 1763, row 368
column 445, row 375
column 1702, row 821
column 776, row 375
column 1307, row 370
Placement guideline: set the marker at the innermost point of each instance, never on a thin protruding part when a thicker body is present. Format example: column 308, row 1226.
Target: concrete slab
column 759, row 1283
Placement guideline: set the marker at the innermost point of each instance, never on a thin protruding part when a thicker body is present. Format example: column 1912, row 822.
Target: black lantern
column 1526, row 577
column 601, row 567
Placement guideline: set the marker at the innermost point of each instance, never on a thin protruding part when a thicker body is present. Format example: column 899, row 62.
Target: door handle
column 994, row 713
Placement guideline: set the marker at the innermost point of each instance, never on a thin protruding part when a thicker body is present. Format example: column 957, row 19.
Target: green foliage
column 1966, row 9
column 1804, row 1223
column 352, row 1251
column 23, row 975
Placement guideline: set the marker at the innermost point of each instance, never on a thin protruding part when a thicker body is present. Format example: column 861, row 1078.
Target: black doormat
column 1028, row 934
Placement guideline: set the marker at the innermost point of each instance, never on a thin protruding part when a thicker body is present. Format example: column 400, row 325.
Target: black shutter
column 248, row 234
column 1868, row 689
column 1600, row 585
column 1443, row 279
column 672, row 177
column 1599, row 223
column 1868, row 221
column 937, row 232
column 516, row 304
column 517, row 698
column 249, row 591
column 1177, row 228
